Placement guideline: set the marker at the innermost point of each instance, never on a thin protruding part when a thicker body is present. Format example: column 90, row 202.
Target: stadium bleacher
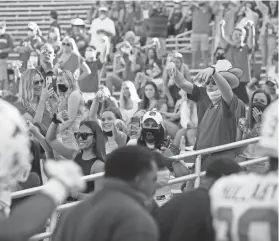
column 18, row 13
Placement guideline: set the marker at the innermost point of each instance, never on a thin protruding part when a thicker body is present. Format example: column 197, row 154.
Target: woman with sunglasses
column 33, row 97
column 250, row 127
column 70, row 59
column 90, row 155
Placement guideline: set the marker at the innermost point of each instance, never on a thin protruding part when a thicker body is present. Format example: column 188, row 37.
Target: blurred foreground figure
column 118, row 212
column 29, row 217
column 245, row 206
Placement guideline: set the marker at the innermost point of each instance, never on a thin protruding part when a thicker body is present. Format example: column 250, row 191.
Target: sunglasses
column 39, row 82
column 66, row 44
column 84, row 136
column 210, row 80
column 269, row 83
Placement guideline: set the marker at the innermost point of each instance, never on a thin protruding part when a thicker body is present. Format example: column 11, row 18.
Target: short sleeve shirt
column 218, row 125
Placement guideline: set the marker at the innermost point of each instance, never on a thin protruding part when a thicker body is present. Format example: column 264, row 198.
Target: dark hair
column 126, row 163
column 115, row 111
column 35, row 151
column 145, row 101
column 251, row 120
column 54, row 14
column 216, row 50
column 43, row 131
column 222, row 166
column 98, row 147
column 155, row 55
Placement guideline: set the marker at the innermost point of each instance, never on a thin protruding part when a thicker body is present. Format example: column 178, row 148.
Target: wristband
column 214, row 69
column 55, row 120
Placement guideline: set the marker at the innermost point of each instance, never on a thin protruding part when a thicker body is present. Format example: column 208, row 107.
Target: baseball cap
column 177, row 55
column 105, row 9
column 77, row 22
column 154, row 115
column 272, row 80
column 33, row 25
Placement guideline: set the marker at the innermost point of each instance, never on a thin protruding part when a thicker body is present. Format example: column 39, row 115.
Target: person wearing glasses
column 218, row 107
column 90, row 155
column 70, row 59
column 33, row 98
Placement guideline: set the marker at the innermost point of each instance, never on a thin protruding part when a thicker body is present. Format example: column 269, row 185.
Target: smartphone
column 49, row 83
column 135, row 123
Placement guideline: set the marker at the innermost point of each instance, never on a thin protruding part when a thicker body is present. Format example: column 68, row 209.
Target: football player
column 30, row 216
column 245, row 206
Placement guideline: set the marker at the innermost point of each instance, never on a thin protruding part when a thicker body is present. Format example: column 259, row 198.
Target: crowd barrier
column 195, row 176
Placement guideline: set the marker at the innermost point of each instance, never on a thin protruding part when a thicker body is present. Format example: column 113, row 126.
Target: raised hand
column 257, row 115
column 204, row 74
column 47, row 93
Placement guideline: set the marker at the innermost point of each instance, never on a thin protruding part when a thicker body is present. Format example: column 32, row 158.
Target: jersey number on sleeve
column 252, row 215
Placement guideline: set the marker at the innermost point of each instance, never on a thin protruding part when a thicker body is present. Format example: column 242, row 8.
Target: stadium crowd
column 64, row 115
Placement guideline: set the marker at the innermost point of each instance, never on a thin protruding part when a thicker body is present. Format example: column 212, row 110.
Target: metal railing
column 195, row 176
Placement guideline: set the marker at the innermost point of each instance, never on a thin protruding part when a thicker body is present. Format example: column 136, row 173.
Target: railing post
column 198, row 171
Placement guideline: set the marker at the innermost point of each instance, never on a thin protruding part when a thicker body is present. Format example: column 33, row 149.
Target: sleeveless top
column 86, row 166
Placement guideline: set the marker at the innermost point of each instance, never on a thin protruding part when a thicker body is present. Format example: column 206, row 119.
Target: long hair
column 115, row 111
column 156, row 59
column 156, row 96
column 133, row 94
column 26, row 92
column 35, row 151
column 43, row 131
column 251, row 120
column 98, row 147
column 74, row 46
column 68, row 75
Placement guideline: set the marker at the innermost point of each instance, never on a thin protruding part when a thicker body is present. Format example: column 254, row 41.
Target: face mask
column 261, row 107
column 108, row 133
column 214, row 95
column 90, row 55
column 220, row 56
column 149, row 139
column 62, row 88
column 34, row 60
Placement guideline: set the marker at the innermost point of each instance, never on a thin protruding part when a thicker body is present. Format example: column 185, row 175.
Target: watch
column 214, row 69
